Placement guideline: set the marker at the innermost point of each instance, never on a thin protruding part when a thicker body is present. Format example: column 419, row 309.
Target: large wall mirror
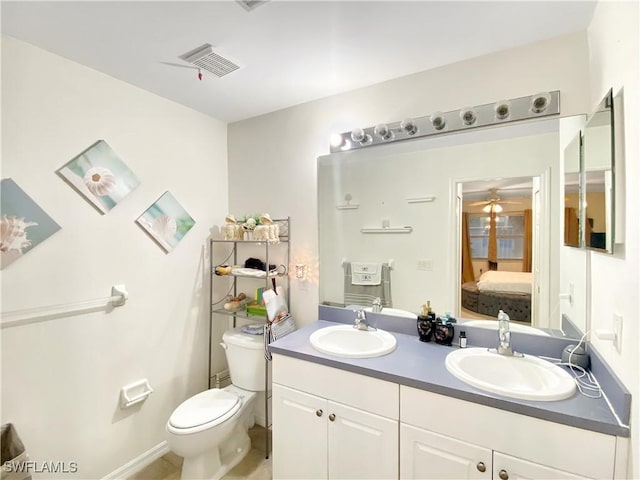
column 392, row 216
column 598, row 178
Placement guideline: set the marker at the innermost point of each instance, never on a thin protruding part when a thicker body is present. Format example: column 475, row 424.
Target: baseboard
column 260, row 420
column 134, row 466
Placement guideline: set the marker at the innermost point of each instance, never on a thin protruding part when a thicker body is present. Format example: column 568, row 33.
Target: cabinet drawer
column 516, row 468
column 563, row 447
column 359, row 391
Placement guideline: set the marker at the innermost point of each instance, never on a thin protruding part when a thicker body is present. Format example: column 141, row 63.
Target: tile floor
column 253, row 467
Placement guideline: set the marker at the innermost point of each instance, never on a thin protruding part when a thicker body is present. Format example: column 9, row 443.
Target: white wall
column 614, row 47
column 276, row 153
column 61, row 379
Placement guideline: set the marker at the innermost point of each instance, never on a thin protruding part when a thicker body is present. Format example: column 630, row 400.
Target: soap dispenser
column 426, row 323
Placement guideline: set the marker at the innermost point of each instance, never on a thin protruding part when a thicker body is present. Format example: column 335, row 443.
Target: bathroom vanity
column 402, row 415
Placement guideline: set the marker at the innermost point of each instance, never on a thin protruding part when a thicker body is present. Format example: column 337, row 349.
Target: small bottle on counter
column 463, row 339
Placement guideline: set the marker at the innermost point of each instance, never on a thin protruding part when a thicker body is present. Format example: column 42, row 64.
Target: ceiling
column 290, row 52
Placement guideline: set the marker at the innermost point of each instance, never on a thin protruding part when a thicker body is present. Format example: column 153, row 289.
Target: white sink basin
column 526, row 378
column 514, row 327
column 346, row 341
column 396, row 312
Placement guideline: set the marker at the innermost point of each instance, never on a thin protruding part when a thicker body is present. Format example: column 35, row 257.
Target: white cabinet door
column 299, row 435
column 512, row 468
column 361, row 445
column 428, row 455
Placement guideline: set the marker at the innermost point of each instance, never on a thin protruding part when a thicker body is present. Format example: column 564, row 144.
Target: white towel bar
column 119, row 296
column 406, row 229
column 425, row 199
column 389, row 262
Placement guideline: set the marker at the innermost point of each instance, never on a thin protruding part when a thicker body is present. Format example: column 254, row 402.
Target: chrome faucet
column 361, row 321
column 504, row 335
column 376, row 306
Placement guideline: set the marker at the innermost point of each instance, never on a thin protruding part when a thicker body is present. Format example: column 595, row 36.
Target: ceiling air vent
column 206, row 59
column 249, row 5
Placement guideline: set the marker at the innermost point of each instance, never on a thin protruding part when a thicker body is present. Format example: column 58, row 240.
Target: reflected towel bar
column 389, row 262
column 119, row 296
column 387, row 230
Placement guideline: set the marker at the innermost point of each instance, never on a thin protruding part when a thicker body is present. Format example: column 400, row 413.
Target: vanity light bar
column 503, row 111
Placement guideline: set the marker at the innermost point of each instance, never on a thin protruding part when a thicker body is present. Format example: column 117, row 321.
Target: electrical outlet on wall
column 617, row 332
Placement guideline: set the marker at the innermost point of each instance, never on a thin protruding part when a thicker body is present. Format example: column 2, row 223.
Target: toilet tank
column 245, row 356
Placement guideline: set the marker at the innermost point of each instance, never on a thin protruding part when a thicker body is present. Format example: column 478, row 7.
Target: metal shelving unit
column 266, row 247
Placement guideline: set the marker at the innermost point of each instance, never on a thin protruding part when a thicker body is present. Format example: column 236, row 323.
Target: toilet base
column 214, row 464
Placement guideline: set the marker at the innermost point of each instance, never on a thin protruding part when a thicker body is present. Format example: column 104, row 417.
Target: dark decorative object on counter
column 426, row 323
column 444, row 331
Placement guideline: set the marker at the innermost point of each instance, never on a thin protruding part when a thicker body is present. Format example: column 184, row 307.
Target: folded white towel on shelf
column 366, row 273
column 253, row 272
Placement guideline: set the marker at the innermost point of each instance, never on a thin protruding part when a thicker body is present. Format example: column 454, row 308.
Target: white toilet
column 210, row 429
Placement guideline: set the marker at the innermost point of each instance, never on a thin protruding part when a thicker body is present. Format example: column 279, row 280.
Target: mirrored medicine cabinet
column 589, row 182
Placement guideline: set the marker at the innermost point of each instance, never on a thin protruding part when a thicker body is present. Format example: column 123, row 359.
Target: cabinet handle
column 503, row 475
column 332, row 417
column 318, row 413
column 481, row 467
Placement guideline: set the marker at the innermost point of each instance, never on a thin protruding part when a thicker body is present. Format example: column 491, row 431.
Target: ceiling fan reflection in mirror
column 491, row 203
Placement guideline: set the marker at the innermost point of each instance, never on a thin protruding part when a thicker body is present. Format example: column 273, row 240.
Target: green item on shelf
column 256, row 309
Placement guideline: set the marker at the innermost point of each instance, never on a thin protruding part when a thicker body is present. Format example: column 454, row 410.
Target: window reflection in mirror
column 598, row 167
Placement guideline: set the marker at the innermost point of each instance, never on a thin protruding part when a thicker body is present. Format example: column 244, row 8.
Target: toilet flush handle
column 224, row 345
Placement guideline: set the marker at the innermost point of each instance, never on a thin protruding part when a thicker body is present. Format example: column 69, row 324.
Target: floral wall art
column 100, row 176
column 166, row 221
column 24, row 224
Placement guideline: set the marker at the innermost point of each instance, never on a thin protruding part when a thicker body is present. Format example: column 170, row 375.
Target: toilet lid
column 203, row 408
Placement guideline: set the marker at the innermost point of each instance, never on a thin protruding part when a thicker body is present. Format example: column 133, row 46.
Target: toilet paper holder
column 135, row 392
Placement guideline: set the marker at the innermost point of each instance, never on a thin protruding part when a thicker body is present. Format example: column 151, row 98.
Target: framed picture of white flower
column 100, row 176
column 166, row 221
column 24, row 224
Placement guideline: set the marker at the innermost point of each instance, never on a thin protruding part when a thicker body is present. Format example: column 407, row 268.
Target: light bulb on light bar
column 468, row 116
column 409, row 126
column 438, row 121
column 540, row 102
column 383, row 131
column 502, row 109
column 336, row 140
column 358, row 135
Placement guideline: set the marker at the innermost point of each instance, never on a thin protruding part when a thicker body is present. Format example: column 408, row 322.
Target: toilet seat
column 204, row 410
